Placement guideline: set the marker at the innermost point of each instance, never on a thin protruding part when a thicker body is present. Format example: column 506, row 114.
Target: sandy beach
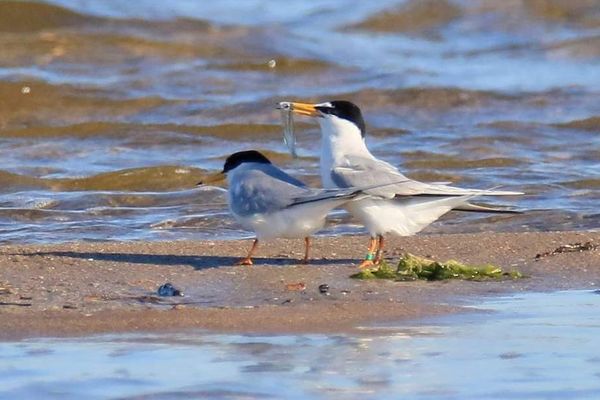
column 86, row 288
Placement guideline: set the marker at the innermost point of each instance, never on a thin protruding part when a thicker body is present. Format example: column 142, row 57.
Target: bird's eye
column 325, row 110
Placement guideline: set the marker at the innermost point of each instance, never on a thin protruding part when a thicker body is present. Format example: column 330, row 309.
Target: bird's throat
column 339, row 140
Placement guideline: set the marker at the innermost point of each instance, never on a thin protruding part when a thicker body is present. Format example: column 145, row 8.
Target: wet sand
column 86, row 288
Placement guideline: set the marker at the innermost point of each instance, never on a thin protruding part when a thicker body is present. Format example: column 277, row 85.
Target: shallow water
column 530, row 346
column 480, row 93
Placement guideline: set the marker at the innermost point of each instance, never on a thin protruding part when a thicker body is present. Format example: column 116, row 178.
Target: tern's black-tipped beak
column 309, row 110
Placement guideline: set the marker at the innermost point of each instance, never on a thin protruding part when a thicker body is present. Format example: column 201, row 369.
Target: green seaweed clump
column 412, row 268
column 383, row 272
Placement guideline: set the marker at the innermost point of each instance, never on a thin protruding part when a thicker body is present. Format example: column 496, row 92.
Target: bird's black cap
column 346, row 110
column 236, row 159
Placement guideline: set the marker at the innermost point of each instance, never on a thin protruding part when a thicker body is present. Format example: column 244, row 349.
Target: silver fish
column 289, row 136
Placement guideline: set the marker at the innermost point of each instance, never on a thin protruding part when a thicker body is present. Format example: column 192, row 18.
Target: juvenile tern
column 403, row 208
column 266, row 200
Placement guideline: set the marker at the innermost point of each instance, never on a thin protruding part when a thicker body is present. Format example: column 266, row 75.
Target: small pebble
column 295, row 287
column 324, row 288
column 169, row 290
column 5, row 290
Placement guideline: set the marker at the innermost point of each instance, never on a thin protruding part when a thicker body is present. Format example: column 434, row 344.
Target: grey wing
column 261, row 191
column 257, row 192
column 383, row 179
column 379, row 178
column 299, row 193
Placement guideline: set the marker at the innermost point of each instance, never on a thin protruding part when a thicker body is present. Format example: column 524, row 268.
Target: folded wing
column 267, row 189
column 366, row 172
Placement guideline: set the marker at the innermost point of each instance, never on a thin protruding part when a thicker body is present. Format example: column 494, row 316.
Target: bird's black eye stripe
column 326, row 110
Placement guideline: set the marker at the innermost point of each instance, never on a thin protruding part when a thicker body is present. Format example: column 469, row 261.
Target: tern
column 403, row 208
column 266, row 200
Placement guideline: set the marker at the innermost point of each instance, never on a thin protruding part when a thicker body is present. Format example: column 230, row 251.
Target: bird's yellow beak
column 217, row 177
column 305, row 109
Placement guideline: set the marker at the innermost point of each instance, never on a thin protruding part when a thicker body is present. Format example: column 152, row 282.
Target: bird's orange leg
column 368, row 261
column 306, row 249
column 379, row 254
column 248, row 259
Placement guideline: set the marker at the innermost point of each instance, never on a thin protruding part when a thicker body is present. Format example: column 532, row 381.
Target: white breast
column 292, row 223
column 339, row 138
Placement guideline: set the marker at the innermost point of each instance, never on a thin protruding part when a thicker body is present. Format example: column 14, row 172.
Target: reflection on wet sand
column 521, row 347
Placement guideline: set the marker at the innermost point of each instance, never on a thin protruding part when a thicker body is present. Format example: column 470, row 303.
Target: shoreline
column 83, row 288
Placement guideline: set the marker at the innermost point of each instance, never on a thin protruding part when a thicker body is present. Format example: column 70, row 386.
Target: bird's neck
column 338, row 140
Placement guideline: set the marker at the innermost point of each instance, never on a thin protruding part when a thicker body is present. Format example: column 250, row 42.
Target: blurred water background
column 111, row 111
